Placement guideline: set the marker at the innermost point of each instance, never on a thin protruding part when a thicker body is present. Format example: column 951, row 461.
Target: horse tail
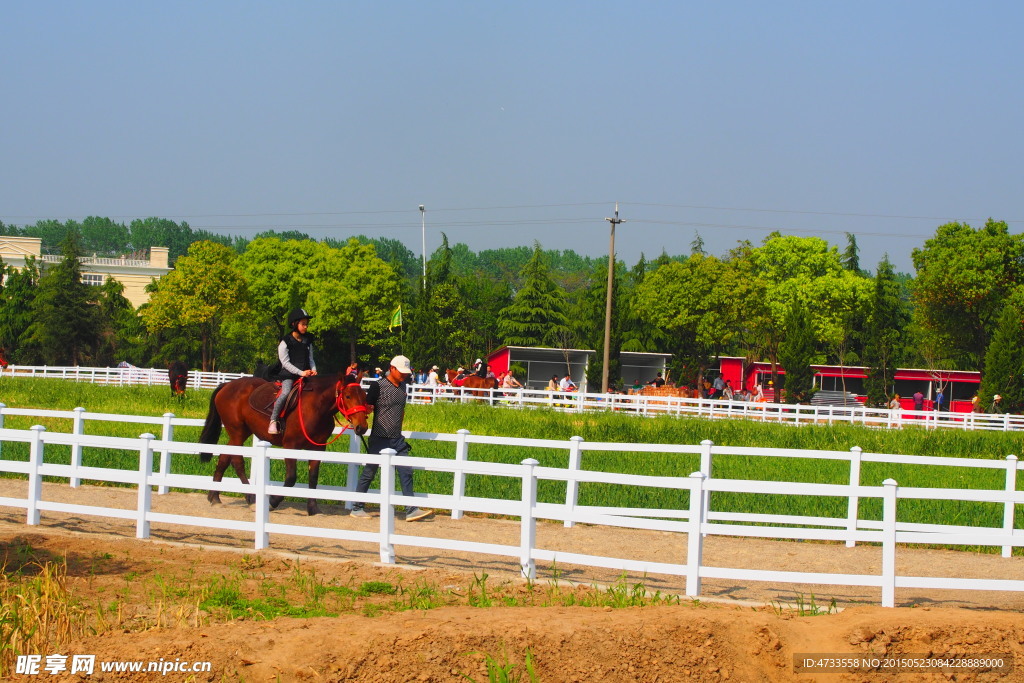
column 211, row 430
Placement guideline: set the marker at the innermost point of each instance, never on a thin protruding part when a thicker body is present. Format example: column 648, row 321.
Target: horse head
column 352, row 404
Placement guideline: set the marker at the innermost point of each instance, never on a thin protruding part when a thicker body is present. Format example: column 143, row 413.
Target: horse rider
column 296, row 355
column 352, row 373
column 480, row 369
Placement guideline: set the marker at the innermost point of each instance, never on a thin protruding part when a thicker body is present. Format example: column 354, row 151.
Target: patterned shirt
column 388, row 403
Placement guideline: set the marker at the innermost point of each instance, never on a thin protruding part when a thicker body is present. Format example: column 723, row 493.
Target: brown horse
column 177, row 373
column 307, row 427
column 472, row 382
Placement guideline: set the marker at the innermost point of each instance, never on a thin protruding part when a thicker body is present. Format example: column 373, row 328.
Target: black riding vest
column 298, row 354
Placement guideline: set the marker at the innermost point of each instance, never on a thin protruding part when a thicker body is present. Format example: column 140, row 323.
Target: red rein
column 339, row 389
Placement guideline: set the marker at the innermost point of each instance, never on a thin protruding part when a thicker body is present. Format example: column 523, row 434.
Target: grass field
column 609, row 427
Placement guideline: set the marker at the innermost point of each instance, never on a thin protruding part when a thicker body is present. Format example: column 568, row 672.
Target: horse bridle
column 339, row 390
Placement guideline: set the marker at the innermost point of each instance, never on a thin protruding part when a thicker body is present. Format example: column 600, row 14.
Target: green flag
column 396, row 318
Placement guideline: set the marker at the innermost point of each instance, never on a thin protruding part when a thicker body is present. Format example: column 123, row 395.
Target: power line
column 815, row 231
column 336, row 213
column 945, row 219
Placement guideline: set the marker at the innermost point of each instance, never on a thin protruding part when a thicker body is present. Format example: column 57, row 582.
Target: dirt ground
column 742, row 631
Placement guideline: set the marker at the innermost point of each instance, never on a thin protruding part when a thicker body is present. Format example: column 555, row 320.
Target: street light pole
column 423, row 252
column 608, row 300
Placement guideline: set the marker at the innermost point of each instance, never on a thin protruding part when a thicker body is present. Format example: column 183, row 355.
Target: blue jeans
column 376, row 445
column 286, row 386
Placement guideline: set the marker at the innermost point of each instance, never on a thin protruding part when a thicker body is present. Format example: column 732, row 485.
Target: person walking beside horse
column 386, row 399
column 296, row 355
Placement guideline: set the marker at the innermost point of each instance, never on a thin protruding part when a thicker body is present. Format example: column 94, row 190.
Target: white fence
column 782, row 413
column 698, row 520
column 119, row 376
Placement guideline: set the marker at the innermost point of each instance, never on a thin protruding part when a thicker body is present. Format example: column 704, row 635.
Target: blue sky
column 515, row 122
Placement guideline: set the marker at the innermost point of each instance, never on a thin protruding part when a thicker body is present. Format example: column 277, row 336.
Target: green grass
column 613, row 427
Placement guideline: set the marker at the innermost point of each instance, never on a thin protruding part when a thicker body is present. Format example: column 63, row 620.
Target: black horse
column 177, row 372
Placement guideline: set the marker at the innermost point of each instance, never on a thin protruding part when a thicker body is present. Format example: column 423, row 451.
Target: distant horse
column 177, row 372
column 472, row 382
column 308, row 426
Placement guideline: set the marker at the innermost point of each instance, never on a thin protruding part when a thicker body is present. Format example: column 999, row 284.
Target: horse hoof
column 213, row 497
column 275, row 501
column 312, row 508
column 250, row 499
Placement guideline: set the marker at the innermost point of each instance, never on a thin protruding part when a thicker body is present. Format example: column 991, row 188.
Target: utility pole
column 608, row 300
column 423, row 252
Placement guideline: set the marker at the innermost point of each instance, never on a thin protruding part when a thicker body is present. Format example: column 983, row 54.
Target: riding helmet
column 297, row 315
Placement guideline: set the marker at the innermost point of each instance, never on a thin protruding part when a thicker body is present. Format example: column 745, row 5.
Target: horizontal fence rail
column 119, row 376
column 781, row 413
column 697, row 518
column 576, row 402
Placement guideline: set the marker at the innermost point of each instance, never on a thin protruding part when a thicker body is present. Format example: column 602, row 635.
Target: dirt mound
column 685, row 640
column 570, row 644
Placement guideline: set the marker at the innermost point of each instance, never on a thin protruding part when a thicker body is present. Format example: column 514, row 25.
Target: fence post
column 705, row 469
column 260, row 479
column 528, row 523
column 145, row 492
column 461, row 456
column 572, row 486
column 889, row 542
column 35, row 482
column 853, row 504
column 165, row 455
column 2, row 406
column 78, row 429
column 387, row 510
column 352, row 475
column 1008, row 506
column 694, row 537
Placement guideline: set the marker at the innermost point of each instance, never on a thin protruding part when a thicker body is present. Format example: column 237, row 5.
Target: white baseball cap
column 401, row 363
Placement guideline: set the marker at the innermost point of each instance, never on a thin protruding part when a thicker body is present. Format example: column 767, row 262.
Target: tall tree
column 65, row 325
column 17, row 303
column 161, row 232
column 638, row 334
column 204, row 288
column 119, row 328
column 885, row 332
column 1004, row 363
column 688, row 301
column 536, row 316
column 104, row 236
column 438, row 323
column 963, row 278
column 52, row 233
column 697, row 245
column 352, row 297
column 796, row 353
column 851, row 255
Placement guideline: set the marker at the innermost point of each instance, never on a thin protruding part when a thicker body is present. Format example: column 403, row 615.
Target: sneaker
column 359, row 512
column 273, row 428
column 417, row 513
